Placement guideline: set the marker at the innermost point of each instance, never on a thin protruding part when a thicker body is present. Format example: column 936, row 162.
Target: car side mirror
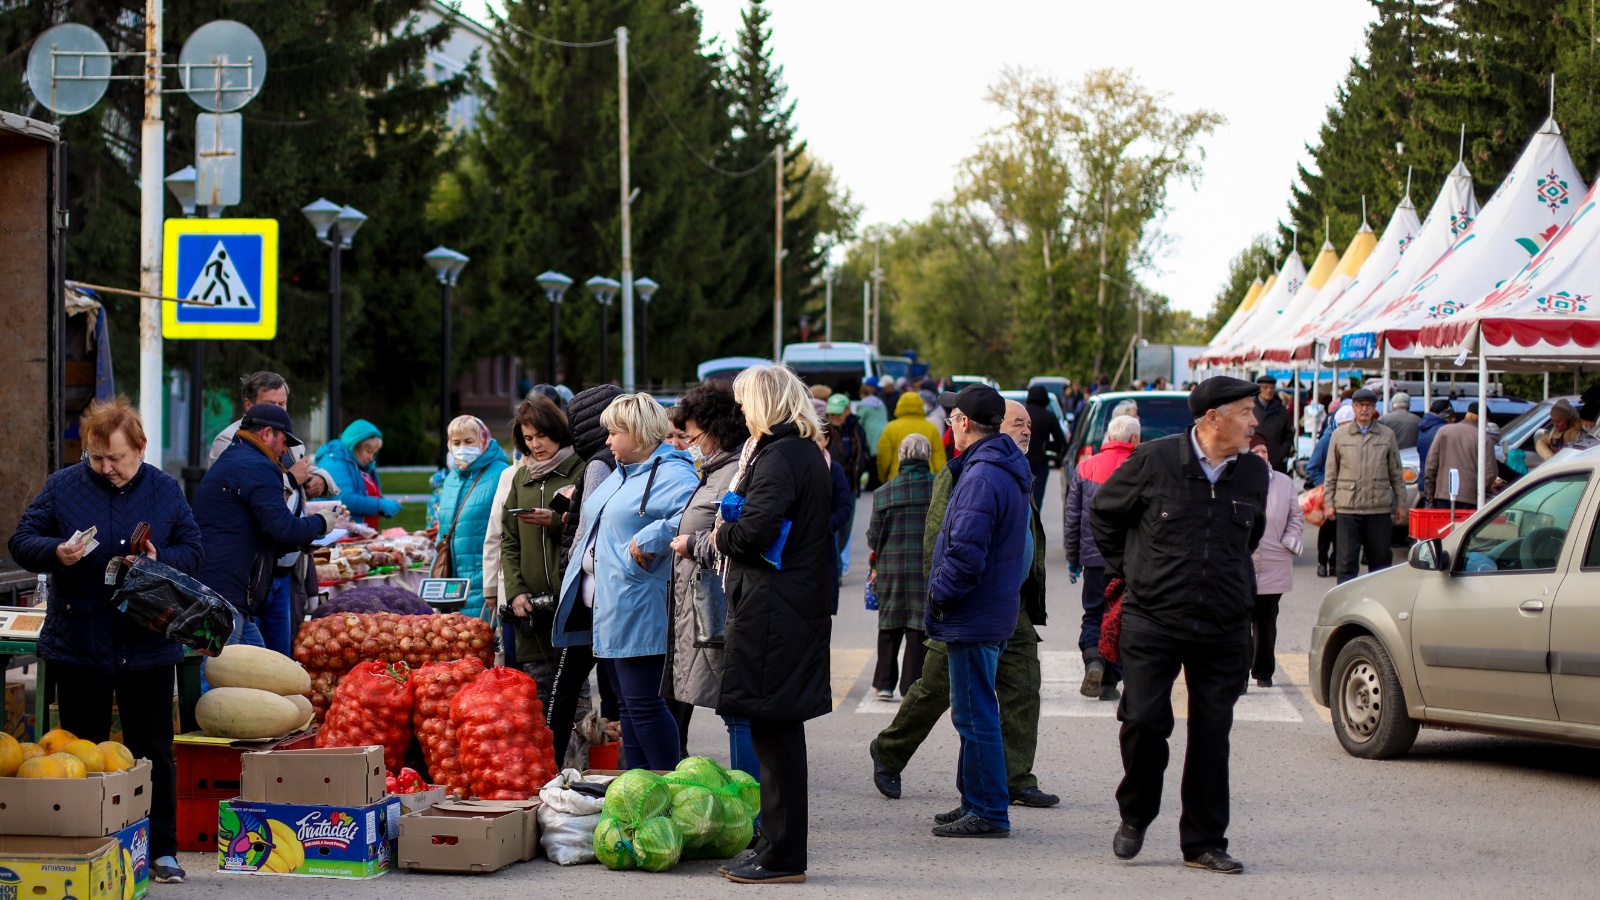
column 1429, row 556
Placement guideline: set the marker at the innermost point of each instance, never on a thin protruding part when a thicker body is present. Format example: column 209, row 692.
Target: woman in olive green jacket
column 530, row 541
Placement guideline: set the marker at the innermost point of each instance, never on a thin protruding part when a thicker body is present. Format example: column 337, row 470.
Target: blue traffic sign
column 225, row 272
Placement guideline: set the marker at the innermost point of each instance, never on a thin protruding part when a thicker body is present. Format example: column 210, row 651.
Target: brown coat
column 1456, row 447
column 1363, row 471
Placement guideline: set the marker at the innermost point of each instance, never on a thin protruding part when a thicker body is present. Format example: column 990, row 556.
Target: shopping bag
column 174, row 605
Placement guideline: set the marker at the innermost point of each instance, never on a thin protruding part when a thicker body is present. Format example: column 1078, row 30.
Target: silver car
column 1493, row 628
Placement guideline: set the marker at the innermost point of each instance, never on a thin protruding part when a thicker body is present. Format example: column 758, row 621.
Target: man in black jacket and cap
column 1274, row 422
column 1189, row 509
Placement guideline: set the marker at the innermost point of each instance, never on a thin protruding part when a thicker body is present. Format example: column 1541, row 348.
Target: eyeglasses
column 692, row 440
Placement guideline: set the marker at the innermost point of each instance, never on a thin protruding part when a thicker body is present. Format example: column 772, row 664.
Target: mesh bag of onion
column 506, row 749
column 436, row 686
column 372, row 706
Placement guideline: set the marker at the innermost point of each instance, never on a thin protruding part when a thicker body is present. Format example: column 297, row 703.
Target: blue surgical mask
column 465, row 454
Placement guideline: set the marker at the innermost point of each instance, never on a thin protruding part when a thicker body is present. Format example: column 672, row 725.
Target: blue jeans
column 975, row 711
column 276, row 631
column 649, row 732
column 741, row 752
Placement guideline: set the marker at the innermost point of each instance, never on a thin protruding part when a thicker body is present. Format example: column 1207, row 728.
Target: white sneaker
column 886, row 696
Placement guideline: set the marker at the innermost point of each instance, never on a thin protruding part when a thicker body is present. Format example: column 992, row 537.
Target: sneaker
column 970, row 826
column 758, row 874
column 886, row 696
column 745, row 858
column 886, row 780
column 1092, row 674
column 945, row 818
column 1216, row 861
column 166, row 874
column 1034, row 797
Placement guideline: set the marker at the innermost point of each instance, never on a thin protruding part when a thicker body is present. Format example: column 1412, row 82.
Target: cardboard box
column 334, row 776
column 456, row 837
column 530, row 820
column 95, row 806
column 16, row 712
column 85, row 868
column 213, row 767
column 305, row 840
column 410, row 803
column 135, row 841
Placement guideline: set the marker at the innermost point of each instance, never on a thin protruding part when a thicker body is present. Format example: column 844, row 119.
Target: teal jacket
column 630, row 601
column 476, row 502
column 337, row 458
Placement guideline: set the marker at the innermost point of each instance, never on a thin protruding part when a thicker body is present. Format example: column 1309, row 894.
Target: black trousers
column 781, row 746
column 1326, row 533
column 1370, row 532
column 1213, row 669
column 890, row 671
column 571, row 674
column 1264, row 635
column 144, row 700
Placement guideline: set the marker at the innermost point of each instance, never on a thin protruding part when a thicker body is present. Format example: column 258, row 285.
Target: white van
column 839, row 365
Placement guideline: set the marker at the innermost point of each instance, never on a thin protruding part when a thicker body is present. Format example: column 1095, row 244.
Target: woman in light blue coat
column 476, row 462
column 621, row 565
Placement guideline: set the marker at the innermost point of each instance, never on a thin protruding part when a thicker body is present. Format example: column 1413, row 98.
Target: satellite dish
column 62, row 77
column 222, row 66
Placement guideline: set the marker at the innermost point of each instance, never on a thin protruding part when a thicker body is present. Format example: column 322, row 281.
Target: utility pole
column 777, row 262
column 627, row 218
column 827, row 328
column 152, row 159
column 877, row 290
column 866, row 312
column 1100, row 320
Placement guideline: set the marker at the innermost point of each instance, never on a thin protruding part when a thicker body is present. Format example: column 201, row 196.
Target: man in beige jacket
column 1365, row 492
column 1457, row 446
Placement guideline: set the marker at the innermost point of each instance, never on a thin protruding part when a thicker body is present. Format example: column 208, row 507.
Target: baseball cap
column 274, row 417
column 870, row 381
column 837, row 404
column 978, row 402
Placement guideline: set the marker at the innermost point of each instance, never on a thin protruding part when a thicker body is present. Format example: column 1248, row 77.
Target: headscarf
column 472, row 423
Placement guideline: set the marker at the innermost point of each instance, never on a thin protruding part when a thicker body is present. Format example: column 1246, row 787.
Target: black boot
column 1094, row 670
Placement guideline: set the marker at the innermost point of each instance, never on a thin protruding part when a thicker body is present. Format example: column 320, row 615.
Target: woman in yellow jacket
column 908, row 419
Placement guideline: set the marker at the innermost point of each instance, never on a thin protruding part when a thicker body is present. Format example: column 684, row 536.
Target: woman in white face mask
column 467, row 501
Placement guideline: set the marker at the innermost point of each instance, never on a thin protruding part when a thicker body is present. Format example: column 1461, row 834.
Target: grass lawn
column 406, row 482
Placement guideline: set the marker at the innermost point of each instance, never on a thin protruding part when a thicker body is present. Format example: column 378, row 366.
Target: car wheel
column 1369, row 709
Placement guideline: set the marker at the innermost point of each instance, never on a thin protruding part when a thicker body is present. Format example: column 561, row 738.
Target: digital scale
column 21, row 624
column 445, row 594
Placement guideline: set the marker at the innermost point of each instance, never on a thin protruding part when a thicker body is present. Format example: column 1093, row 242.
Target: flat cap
column 1365, row 395
column 1266, row 379
column 1219, row 390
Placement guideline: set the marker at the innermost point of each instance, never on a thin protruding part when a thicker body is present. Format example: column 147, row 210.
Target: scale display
column 18, row 623
column 444, row 590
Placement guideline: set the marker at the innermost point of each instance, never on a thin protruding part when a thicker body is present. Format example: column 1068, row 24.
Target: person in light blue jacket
column 466, row 502
column 352, row 460
column 621, row 565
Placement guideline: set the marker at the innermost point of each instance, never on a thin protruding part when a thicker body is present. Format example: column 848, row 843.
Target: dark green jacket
column 530, row 555
column 1032, row 586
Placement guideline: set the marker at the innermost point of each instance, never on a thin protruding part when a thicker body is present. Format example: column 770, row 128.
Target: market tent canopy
column 1453, row 211
column 1337, row 301
column 1527, row 210
column 1291, row 278
column 1546, row 312
column 1241, row 314
column 1314, row 301
column 1322, row 269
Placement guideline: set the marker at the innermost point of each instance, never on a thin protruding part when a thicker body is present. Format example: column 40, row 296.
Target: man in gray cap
column 1364, row 491
column 1188, row 509
column 1274, row 422
column 1405, row 424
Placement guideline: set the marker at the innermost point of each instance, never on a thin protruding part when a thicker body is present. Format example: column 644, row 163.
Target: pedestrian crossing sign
column 227, row 272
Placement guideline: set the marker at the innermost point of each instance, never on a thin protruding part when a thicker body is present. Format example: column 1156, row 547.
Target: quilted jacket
column 974, row 589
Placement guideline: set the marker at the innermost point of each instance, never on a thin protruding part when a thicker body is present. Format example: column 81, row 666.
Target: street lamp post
column 645, row 288
column 447, row 265
column 555, row 287
column 604, row 290
column 336, row 227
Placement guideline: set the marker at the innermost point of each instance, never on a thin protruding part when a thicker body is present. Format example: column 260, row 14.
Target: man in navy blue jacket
column 974, row 592
column 240, row 508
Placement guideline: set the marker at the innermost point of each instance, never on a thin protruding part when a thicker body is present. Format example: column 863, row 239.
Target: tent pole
column 1386, row 390
column 1427, row 385
column 1547, row 385
column 1295, row 412
column 1483, row 422
column 1316, row 385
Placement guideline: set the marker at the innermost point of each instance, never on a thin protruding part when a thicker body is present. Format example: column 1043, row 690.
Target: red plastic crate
column 1427, row 524
column 213, row 771
column 197, row 824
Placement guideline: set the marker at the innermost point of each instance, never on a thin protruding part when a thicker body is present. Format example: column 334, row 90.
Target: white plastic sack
column 567, row 818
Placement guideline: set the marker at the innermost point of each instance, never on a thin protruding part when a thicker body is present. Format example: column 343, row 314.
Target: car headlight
column 1409, row 473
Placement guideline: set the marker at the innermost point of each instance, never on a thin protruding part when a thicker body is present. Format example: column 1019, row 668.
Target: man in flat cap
column 1274, row 422
column 1189, row 510
column 1364, row 491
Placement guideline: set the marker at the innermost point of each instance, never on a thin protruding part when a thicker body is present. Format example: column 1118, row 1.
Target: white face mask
column 466, row 454
column 695, row 454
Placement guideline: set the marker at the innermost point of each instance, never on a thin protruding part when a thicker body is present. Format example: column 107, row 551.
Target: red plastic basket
column 213, row 771
column 197, row 824
column 1427, row 524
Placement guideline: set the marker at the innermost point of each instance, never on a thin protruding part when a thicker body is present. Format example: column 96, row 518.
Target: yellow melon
column 55, row 739
column 117, row 757
column 10, row 755
column 43, row 767
column 30, row 751
column 88, row 754
column 74, row 766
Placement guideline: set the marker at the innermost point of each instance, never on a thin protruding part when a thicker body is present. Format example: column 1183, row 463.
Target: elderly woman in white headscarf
column 466, row 503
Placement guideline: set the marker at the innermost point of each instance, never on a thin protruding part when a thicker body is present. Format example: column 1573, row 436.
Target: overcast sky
column 890, row 92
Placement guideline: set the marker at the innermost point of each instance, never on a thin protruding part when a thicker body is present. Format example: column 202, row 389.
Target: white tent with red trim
column 1526, row 211
column 1316, row 297
column 1290, row 278
column 1322, row 271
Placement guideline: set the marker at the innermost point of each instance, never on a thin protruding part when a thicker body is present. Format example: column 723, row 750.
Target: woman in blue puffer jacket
column 621, row 564
column 353, row 462
column 467, row 501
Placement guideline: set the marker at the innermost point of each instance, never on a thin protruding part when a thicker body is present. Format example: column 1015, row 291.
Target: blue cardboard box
column 135, row 841
column 318, row 841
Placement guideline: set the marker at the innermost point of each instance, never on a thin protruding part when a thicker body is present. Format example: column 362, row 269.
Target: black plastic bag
column 175, row 606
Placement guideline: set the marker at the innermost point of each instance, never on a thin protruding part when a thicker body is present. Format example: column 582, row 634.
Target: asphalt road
column 1462, row 816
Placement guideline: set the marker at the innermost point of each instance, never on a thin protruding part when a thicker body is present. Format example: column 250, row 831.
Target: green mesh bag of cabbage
column 636, row 795
column 710, row 808
column 653, row 845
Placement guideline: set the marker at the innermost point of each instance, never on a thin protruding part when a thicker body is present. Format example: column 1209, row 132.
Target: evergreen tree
column 1577, row 35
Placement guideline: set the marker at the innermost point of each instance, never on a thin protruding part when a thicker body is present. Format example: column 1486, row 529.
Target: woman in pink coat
column 1274, row 561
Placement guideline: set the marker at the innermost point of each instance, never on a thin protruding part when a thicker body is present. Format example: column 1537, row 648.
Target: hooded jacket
column 476, row 503
column 81, row 627
column 1183, row 544
column 1049, row 443
column 338, row 457
column 1077, row 533
column 974, row 587
column 908, row 419
column 640, row 503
